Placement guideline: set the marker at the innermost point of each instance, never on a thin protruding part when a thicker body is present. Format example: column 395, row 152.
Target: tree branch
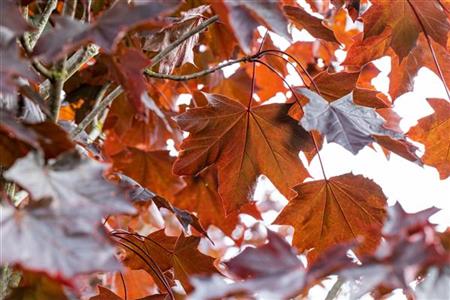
column 181, row 39
column 152, row 74
column 32, row 37
column 335, row 289
column 56, row 89
column 73, row 64
column 97, row 110
column 119, row 90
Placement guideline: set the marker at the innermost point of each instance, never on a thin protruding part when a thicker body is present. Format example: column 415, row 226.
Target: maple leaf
column 137, row 193
column 12, row 23
column 45, row 136
column 18, row 138
column 105, row 32
column 183, row 53
column 233, row 86
column 400, row 223
column 275, row 257
column 363, row 51
column 343, row 122
column 406, row 18
column 271, row 270
column 333, row 86
column 323, row 213
column 188, row 261
column 133, row 284
column 151, row 254
column 152, row 169
column 200, row 195
column 179, row 253
column 105, row 294
column 10, row 126
column 433, row 132
column 12, row 66
column 436, row 283
column 127, row 69
column 407, row 250
column 41, row 240
column 312, row 24
column 352, row 6
column 403, row 72
column 244, row 17
column 73, row 183
column 126, row 127
column 243, row 143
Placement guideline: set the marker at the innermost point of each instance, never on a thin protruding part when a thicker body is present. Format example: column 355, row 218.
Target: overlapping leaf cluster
column 110, row 178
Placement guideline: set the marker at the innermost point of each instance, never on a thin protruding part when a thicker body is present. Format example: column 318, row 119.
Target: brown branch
column 186, row 77
column 181, row 39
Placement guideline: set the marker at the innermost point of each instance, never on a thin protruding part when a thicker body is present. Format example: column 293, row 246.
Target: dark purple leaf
column 343, row 122
column 41, row 240
column 184, row 52
column 75, row 185
column 105, row 32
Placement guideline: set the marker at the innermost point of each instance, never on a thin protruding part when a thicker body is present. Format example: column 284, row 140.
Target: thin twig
column 124, row 286
column 153, row 266
column 73, row 64
column 181, row 39
column 86, row 11
column 100, row 118
column 94, row 112
column 186, row 77
column 31, row 38
column 38, row 66
column 70, row 7
column 79, row 58
column 298, row 63
column 335, row 289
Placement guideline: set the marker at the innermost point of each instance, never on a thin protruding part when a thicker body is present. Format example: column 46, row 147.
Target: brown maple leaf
column 340, row 209
column 177, row 253
column 152, row 169
column 434, row 132
column 404, row 71
column 243, row 17
column 200, row 195
column 243, row 144
column 406, row 18
column 312, row 24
